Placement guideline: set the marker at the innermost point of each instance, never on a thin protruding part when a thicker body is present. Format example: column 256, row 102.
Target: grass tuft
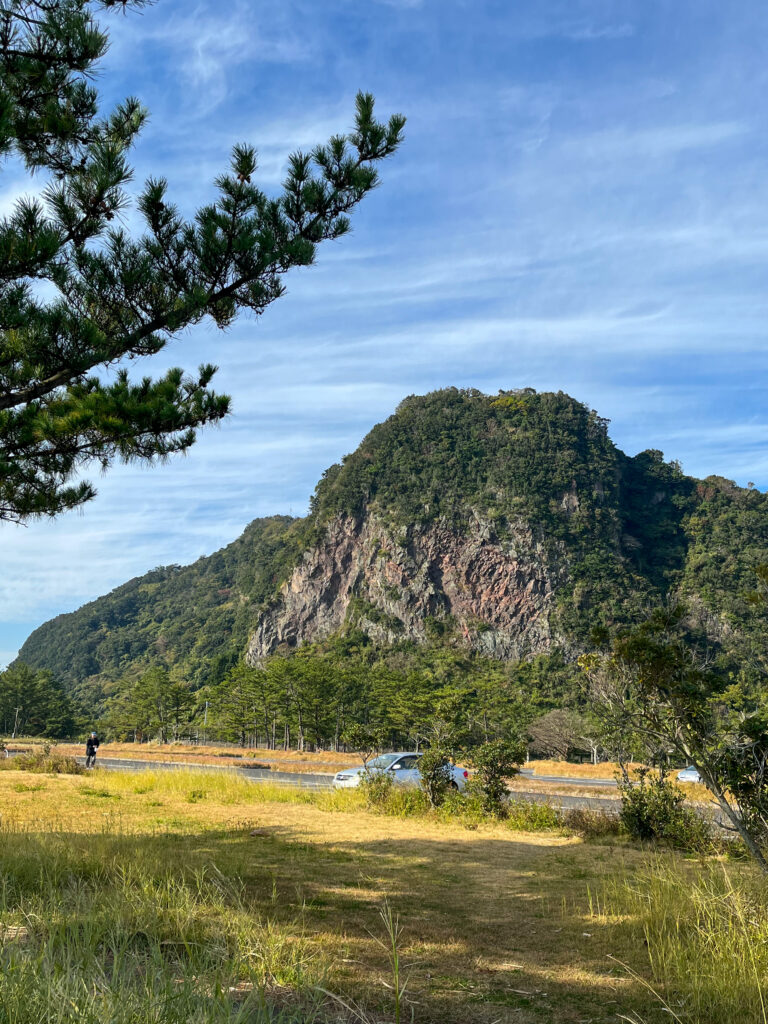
column 706, row 931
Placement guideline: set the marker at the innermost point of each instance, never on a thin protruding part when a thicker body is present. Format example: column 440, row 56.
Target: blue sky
column 581, row 203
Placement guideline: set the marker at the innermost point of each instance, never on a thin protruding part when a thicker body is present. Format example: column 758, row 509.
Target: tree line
column 406, row 696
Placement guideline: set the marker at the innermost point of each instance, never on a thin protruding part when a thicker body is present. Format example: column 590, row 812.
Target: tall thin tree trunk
column 338, row 729
column 301, row 729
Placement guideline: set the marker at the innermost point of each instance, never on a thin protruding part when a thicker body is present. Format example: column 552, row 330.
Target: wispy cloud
column 207, row 45
column 655, row 142
column 587, row 33
column 571, row 21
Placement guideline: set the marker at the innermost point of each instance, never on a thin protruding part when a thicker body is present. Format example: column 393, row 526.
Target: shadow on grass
column 497, row 929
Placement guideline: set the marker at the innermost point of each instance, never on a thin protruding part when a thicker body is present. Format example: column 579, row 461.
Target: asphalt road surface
column 566, row 780
column 305, row 781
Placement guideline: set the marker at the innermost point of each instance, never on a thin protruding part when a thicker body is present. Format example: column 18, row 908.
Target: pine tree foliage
column 34, row 703
column 67, row 399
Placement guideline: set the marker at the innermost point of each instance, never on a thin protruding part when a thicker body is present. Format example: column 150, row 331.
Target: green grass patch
column 106, row 928
column 705, row 928
column 104, row 794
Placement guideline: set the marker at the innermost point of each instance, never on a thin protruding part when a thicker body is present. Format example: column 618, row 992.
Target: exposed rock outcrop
column 495, row 592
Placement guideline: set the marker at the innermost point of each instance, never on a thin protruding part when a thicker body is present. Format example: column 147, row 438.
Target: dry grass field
column 498, row 925
column 604, row 770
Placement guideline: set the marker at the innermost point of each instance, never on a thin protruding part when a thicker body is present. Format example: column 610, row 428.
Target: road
column 315, row 780
column 305, row 780
column 566, row 780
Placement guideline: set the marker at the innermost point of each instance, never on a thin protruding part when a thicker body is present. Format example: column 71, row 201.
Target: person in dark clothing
column 91, row 746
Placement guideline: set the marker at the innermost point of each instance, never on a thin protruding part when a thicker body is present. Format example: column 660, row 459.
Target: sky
column 580, row 204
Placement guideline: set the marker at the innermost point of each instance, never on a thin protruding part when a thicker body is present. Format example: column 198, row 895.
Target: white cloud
column 583, row 33
column 653, row 143
column 209, row 45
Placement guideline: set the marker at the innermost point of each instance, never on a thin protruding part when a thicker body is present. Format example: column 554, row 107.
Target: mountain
column 508, row 525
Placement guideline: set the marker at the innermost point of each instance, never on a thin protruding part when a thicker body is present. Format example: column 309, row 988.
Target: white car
column 403, row 766
column 689, row 774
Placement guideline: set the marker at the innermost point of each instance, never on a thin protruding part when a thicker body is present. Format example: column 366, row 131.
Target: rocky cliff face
column 496, row 593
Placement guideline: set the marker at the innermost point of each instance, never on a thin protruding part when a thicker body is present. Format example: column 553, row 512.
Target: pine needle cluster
column 80, row 297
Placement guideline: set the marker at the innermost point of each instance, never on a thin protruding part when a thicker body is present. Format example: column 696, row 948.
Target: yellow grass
column 497, row 924
column 604, row 770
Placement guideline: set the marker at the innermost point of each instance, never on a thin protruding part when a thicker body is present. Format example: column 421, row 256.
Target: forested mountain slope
column 195, row 617
column 508, row 525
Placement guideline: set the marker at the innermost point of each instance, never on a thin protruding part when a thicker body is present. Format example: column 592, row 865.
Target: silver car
column 403, row 766
column 689, row 774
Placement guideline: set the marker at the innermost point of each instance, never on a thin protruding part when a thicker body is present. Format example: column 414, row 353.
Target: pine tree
column 118, row 297
column 33, row 703
column 237, row 702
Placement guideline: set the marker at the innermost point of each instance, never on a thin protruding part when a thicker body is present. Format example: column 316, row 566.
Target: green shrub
column 652, row 810
column 464, row 808
column 527, row 816
column 435, row 771
column 46, row 761
column 377, row 788
column 407, row 802
column 383, row 794
column 471, row 801
column 592, row 824
column 495, row 762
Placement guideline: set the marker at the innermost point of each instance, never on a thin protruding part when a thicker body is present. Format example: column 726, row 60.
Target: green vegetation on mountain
column 453, row 451
column 194, row 619
column 622, row 532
